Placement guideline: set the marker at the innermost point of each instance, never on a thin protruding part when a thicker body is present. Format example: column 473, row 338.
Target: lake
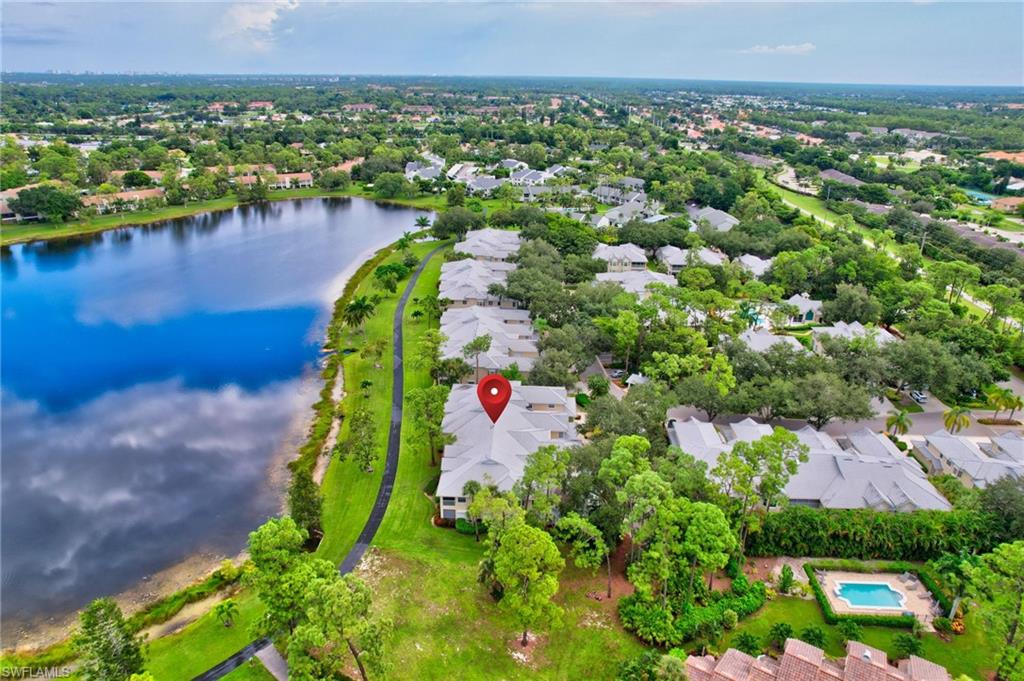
column 154, row 380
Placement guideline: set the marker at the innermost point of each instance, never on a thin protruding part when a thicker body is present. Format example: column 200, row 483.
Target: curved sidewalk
column 387, row 483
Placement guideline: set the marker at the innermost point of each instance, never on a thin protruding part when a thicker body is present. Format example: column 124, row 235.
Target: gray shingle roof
column 636, row 281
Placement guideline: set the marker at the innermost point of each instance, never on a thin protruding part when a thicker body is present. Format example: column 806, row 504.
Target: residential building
column 489, row 244
column 513, row 340
column 677, row 258
column 801, row 661
column 462, row 172
column 512, row 165
column 851, row 331
column 622, row 258
column 763, row 340
column 840, row 177
column 808, row 309
column 423, row 170
column 620, row 215
column 484, row 185
column 120, row 201
column 496, row 453
column 1008, row 204
column 718, row 220
column 468, row 282
column 529, row 178
column 753, row 264
column 637, row 282
column 976, row 463
column 864, row 470
column 755, row 160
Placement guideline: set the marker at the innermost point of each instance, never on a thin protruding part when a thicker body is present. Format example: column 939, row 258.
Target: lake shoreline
column 37, row 633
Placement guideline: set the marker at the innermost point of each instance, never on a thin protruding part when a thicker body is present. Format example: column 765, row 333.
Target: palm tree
column 999, row 399
column 898, row 423
column 468, row 490
column 357, row 311
column 1013, row 404
column 956, row 418
column 225, row 611
column 423, row 222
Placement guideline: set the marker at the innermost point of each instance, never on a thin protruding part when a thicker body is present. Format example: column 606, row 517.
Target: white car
column 918, row 396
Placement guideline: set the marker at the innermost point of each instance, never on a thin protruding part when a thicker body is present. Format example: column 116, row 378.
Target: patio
column 918, row 600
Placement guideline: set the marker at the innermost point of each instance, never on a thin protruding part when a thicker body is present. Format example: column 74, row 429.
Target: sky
column 913, row 42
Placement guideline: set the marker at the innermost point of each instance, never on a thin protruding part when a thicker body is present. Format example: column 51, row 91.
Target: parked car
column 918, row 396
column 616, row 373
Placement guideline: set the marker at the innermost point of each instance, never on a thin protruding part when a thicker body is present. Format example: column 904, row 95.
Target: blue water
column 979, row 196
column 149, row 377
column 865, row 595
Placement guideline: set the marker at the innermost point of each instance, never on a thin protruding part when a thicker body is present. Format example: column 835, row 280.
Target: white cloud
column 799, row 49
column 249, row 26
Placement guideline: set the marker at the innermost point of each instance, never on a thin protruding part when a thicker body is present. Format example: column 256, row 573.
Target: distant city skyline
column 907, row 43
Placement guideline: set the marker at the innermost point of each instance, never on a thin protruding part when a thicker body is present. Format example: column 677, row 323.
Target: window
column 448, row 501
column 462, row 500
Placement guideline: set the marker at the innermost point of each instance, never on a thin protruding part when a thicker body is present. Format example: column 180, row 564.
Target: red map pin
column 494, row 392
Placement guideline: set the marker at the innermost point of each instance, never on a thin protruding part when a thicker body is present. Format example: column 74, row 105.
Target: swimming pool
column 874, row 595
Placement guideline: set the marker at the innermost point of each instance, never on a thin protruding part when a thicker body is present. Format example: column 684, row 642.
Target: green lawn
column 972, row 653
column 203, row 643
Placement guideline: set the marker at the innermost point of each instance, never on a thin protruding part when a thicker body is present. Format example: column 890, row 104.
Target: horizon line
column 51, row 72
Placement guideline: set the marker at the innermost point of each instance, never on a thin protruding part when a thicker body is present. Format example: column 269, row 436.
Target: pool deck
column 918, row 600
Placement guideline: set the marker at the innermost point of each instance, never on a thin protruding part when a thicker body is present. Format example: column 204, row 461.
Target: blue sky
column 923, row 42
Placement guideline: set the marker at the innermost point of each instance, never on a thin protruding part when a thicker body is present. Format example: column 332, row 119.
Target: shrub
column 850, row 631
column 654, row 624
column 942, row 624
column 463, row 526
column 778, row 634
column 906, row 645
column 734, row 568
column 730, row 618
column 830, row 615
column 786, row 579
column 747, row 643
column 814, row 635
column 740, row 584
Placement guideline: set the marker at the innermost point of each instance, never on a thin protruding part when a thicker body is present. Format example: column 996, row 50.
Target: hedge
column 868, row 534
column 906, row 621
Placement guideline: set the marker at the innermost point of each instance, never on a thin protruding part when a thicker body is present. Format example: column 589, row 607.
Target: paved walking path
column 380, row 505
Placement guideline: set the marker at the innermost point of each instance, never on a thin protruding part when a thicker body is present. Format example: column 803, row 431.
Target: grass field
column 253, row 670
column 972, row 653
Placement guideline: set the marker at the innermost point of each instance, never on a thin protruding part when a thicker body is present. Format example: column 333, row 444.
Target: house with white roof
column 677, row 258
column 483, row 185
column 513, row 340
column 808, row 309
column 467, row 282
column 621, row 257
column 975, row 463
column 851, row 331
column 753, row 264
column 637, row 281
column 718, row 220
column 496, row 453
column 763, row 340
column 462, row 172
column 529, row 178
column 865, row 470
column 489, row 244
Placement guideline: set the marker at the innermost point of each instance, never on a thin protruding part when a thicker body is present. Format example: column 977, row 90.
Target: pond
column 154, row 382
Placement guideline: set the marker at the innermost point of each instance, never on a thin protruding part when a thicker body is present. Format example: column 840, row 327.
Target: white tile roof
column 470, row 279
column 497, row 452
column 513, row 340
column 489, row 243
column 620, row 253
column 636, row 281
column 965, row 455
column 753, row 264
column 762, row 340
column 853, row 330
column 679, row 257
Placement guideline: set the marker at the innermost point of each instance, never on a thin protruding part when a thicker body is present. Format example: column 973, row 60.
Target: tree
column 338, row 627
column 1004, row 499
column 708, row 540
column 899, row 422
column 362, row 438
column 997, row 585
column 850, row 631
column 598, row 385
column 427, row 408
column 392, row 186
column 105, row 643
column 956, row 418
column 625, row 331
column 474, row 348
column 814, row 635
column 747, row 643
column 507, row 193
column 455, row 195
column 304, row 501
column 357, row 311
column 225, row 611
column 821, row 397
column 999, row 399
column 779, row 634
column 470, row 490
column 455, row 222
column 785, row 579
column 526, row 566
column 587, row 546
column 852, row 303
column 542, row 476
column 954, row 568
column 52, row 203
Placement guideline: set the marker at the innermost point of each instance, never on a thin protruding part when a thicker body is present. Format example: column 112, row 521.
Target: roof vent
column 866, row 655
